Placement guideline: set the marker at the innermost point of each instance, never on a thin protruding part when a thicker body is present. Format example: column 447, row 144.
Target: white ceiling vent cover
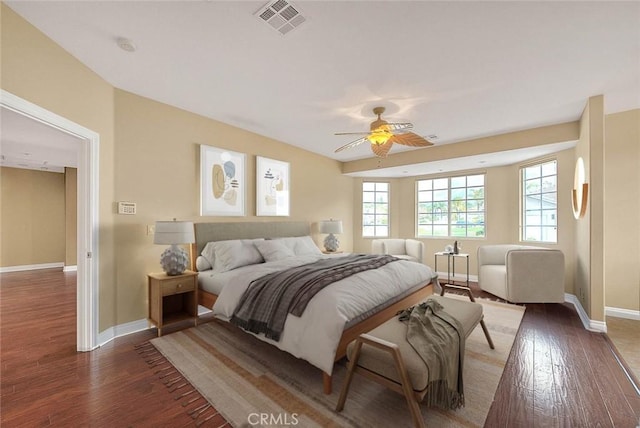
column 281, row 15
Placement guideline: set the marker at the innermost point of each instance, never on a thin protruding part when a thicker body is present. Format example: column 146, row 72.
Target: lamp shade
column 174, row 232
column 331, row 226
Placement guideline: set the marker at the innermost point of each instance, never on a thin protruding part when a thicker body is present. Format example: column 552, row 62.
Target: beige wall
column 622, row 210
column 157, row 159
column 38, row 70
column 33, row 217
column 71, row 216
column 502, row 199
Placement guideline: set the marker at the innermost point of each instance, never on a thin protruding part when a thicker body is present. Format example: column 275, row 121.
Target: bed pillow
column 236, row 253
column 209, row 253
column 203, row 264
column 300, row 245
column 273, row 250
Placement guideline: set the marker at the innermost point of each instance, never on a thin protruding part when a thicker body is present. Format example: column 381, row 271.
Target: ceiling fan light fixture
column 379, row 137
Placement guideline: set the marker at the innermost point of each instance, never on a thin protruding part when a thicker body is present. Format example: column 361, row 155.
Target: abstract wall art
column 222, row 182
column 272, row 187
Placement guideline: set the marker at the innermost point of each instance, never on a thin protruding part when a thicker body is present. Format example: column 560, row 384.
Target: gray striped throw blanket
column 264, row 306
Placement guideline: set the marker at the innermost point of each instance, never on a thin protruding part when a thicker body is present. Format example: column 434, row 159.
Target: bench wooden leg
column 347, row 380
column 486, row 334
column 327, row 383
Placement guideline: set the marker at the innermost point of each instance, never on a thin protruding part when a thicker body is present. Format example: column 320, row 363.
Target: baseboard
column 32, row 267
column 70, row 269
column 589, row 324
column 622, row 313
column 119, row 330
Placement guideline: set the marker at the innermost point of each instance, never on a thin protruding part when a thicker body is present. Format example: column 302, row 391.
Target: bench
column 391, row 361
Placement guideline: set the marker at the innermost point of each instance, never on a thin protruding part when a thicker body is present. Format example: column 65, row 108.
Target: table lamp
column 174, row 260
column 331, row 243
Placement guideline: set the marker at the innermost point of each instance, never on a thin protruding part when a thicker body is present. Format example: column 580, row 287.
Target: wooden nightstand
column 173, row 298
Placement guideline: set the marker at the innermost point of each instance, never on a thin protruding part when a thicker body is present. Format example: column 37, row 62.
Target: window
column 375, row 209
column 451, row 207
column 539, row 202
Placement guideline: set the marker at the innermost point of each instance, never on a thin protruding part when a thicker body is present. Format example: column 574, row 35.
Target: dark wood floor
column 558, row 374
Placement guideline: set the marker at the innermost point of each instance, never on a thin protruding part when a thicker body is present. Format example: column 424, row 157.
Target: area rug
column 252, row 383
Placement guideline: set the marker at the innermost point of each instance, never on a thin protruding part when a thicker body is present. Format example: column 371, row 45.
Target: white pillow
column 236, row 253
column 209, row 253
column 202, row 264
column 273, row 250
column 300, row 245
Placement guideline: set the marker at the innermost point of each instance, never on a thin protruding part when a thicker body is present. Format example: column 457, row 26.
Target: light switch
column 151, row 229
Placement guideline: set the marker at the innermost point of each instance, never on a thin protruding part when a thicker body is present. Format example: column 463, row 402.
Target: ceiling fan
column 383, row 134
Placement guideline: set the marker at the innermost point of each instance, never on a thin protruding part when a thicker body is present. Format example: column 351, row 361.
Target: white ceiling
column 459, row 70
column 27, row 143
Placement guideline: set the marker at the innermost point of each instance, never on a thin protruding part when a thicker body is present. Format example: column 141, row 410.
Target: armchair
column 522, row 274
column 408, row 249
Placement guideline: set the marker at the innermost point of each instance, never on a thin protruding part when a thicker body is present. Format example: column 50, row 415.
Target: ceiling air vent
column 281, row 15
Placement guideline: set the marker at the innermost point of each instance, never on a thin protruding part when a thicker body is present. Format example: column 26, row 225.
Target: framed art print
column 272, row 187
column 222, row 182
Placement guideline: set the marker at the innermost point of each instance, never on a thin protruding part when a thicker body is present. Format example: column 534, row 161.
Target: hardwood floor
column 557, row 375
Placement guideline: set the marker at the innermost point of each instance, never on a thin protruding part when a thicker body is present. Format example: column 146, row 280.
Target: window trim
column 521, row 203
column 449, row 177
column 362, row 225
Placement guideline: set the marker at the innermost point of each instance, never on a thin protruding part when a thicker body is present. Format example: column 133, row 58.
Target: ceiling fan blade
column 381, row 150
column 410, row 139
column 351, row 133
column 351, row 144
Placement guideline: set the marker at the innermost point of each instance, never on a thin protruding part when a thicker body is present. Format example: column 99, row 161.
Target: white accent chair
column 408, row 249
column 522, row 274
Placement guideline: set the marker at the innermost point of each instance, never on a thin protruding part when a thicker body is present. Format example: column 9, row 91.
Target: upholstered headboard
column 207, row 232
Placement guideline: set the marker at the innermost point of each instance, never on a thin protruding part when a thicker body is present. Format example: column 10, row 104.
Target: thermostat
column 126, row 208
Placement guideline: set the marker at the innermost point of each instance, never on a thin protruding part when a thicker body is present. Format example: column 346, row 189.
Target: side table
column 173, row 298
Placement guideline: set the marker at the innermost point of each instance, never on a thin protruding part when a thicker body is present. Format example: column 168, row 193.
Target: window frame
column 449, row 202
column 523, row 201
column 375, row 214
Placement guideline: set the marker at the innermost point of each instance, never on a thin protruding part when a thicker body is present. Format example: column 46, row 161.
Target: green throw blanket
column 439, row 340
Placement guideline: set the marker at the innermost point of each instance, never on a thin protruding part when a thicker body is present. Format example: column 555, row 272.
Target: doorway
column 87, row 213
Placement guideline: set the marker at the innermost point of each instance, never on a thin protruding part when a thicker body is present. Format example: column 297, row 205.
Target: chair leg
column 407, row 388
column 486, row 334
column 347, row 380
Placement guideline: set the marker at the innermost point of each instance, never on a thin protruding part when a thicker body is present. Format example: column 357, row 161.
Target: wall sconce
column 580, row 191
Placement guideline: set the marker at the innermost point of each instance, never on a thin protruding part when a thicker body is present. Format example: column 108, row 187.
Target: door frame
column 87, row 224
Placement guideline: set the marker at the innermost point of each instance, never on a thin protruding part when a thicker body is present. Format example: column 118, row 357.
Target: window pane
column 475, row 193
column 532, row 202
column 368, row 196
column 475, row 180
column 532, row 233
column 382, row 231
column 368, row 220
column 549, row 184
column 548, row 217
column 532, row 186
column 424, row 231
column 382, row 219
column 425, row 207
column 440, row 195
column 382, row 187
column 458, row 181
column 425, row 185
column 477, row 231
column 458, row 230
column 475, row 218
column 382, row 197
column 368, row 231
column 368, row 208
column 549, row 234
column 382, row 208
column 425, row 196
column 440, row 183
column 549, row 168
column 440, row 231
column 532, row 172
column 368, row 187
column 457, row 194
column 458, row 206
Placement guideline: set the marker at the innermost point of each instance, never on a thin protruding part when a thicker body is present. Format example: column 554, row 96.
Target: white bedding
column 315, row 335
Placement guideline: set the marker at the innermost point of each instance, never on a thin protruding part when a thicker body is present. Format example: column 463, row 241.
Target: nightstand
column 173, row 298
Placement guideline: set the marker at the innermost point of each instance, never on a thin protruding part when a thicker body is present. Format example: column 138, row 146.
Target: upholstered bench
column 390, row 360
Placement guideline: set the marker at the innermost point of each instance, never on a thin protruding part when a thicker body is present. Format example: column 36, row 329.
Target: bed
column 334, row 317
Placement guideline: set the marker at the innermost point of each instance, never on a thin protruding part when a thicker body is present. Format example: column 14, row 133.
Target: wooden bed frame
column 207, row 232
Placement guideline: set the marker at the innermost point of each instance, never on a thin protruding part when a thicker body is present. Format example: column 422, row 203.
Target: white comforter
column 315, row 335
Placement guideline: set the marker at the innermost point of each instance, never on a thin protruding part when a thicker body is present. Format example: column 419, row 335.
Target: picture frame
column 223, row 184
column 272, row 187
